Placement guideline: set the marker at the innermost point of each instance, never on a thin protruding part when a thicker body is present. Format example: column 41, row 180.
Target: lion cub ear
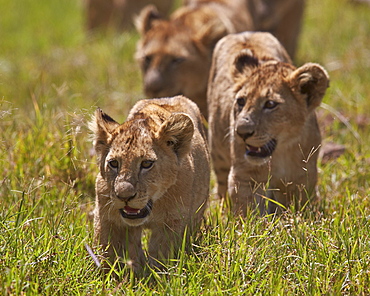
column 144, row 21
column 243, row 64
column 310, row 81
column 177, row 131
column 102, row 126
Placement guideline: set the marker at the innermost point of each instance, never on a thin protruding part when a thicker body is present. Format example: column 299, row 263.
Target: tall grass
column 52, row 77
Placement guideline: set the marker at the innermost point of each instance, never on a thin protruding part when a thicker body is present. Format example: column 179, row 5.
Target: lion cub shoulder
column 263, row 133
column 154, row 173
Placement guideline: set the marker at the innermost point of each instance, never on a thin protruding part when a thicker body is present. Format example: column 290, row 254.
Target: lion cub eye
column 240, row 102
column 270, row 105
column 113, row 163
column 147, row 164
column 177, row 60
column 170, row 143
column 147, row 61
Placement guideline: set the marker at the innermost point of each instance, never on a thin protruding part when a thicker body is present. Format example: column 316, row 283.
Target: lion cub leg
column 121, row 244
column 221, row 172
column 246, row 193
column 221, row 167
column 164, row 242
column 162, row 245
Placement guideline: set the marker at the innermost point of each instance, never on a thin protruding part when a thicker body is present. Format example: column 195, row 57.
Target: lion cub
column 263, row 133
column 154, row 174
column 175, row 55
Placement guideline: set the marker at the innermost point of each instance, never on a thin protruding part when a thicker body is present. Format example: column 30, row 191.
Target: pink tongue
column 130, row 210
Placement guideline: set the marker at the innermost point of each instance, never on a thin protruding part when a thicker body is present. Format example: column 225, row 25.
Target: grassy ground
column 53, row 76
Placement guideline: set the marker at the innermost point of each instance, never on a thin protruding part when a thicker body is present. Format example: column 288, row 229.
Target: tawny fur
column 158, row 155
column 175, row 55
column 278, row 104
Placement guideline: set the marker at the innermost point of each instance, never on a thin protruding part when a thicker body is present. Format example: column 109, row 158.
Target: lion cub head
column 139, row 159
column 175, row 55
column 273, row 102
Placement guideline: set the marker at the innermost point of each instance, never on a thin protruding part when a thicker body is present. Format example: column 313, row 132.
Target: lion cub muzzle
column 153, row 83
column 124, row 190
column 126, row 193
column 261, row 152
column 131, row 213
column 245, row 129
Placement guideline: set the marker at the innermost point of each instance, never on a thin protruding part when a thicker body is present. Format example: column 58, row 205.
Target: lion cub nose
column 125, row 190
column 153, row 83
column 245, row 128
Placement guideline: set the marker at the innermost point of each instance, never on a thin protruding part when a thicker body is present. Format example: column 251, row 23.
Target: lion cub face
column 170, row 62
column 272, row 103
column 139, row 159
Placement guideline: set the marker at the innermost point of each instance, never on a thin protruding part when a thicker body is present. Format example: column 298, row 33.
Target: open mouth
column 264, row 151
column 131, row 213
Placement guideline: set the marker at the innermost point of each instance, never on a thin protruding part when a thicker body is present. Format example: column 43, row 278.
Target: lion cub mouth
column 131, row 213
column 262, row 152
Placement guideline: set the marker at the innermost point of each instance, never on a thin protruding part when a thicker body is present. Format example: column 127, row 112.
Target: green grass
column 52, row 77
